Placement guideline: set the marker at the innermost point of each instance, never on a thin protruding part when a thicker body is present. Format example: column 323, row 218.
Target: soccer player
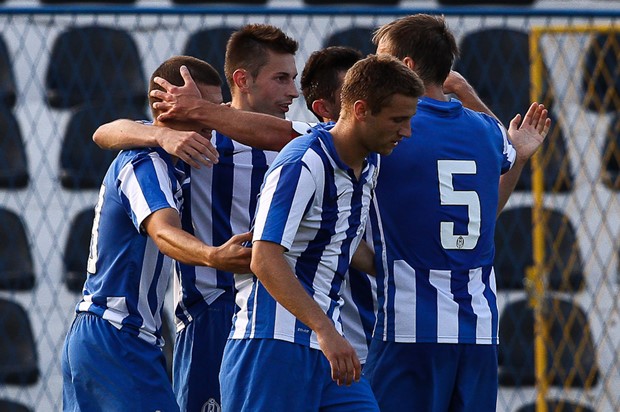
column 112, row 357
column 321, row 84
column 260, row 70
column 435, row 343
column 286, row 351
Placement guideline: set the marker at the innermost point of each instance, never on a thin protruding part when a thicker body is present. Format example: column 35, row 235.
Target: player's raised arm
column 189, row 146
column 456, row 84
column 261, row 131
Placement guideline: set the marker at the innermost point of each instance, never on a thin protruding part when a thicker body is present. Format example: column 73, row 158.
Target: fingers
column 242, row 238
column 187, row 77
column 163, row 83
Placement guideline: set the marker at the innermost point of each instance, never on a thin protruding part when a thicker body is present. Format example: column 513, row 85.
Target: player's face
column 388, row 127
column 212, row 94
column 272, row 91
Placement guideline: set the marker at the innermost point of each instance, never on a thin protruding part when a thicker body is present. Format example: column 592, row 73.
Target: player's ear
column 320, row 107
column 241, row 79
column 409, row 62
column 360, row 109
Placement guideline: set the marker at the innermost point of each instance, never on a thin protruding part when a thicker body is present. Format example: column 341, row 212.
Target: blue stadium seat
column 557, row 405
column 601, row 73
column 513, row 250
column 82, row 163
column 203, row 2
column 489, row 2
column 18, row 355
column 13, row 160
column 54, row 2
column 12, row 406
column 571, row 356
column 210, row 45
column 496, row 63
column 94, row 63
column 16, row 267
column 76, row 252
column 351, row 2
column 611, row 155
column 359, row 38
column 8, row 94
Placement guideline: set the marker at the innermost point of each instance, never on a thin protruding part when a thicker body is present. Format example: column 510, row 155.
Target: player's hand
column 342, row 358
column 233, row 256
column 176, row 102
column 454, row 83
column 192, row 147
column 527, row 135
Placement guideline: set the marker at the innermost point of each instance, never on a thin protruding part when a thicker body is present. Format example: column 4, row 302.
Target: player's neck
column 348, row 148
column 435, row 91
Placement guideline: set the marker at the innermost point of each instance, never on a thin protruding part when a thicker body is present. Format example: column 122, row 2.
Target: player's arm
column 456, row 84
column 526, row 137
column 258, row 130
column 364, row 259
column 191, row 147
column 164, row 227
column 275, row 273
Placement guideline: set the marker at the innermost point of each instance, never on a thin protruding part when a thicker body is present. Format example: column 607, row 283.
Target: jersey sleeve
column 300, row 128
column 509, row 153
column 283, row 201
column 144, row 187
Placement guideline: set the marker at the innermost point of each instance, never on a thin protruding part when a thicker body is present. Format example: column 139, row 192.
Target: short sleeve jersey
column 222, row 203
column 127, row 274
column 437, row 199
column 313, row 205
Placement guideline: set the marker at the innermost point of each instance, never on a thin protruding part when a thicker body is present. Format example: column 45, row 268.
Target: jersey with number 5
column 437, row 198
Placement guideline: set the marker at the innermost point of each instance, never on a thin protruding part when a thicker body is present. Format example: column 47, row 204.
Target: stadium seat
column 202, row 2
column 571, row 356
column 87, row 1
column 18, row 355
column 601, row 73
column 210, row 45
column 359, row 38
column 611, row 155
column 76, row 252
column 557, row 405
column 83, row 164
column 11, row 406
column 13, row 160
column 16, row 267
column 513, row 250
column 8, row 94
column 94, row 63
column 496, row 63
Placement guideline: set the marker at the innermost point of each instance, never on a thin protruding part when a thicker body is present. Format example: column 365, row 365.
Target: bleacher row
column 308, row 2
column 108, row 82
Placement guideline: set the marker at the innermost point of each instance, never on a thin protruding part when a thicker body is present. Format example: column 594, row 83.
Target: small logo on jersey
column 302, row 330
column 460, row 242
column 211, row 406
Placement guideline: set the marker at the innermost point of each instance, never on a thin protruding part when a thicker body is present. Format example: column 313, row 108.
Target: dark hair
column 375, row 80
column 201, row 71
column 247, row 48
column 424, row 38
column 320, row 77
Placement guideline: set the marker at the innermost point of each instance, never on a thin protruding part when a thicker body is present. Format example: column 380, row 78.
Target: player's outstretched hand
column 176, row 101
column 527, row 135
column 233, row 256
column 342, row 358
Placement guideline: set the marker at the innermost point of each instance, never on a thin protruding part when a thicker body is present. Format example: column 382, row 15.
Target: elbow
column 97, row 137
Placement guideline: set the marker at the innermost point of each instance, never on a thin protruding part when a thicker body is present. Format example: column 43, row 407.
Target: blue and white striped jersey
column 437, row 198
column 127, row 274
column 313, row 205
column 222, row 204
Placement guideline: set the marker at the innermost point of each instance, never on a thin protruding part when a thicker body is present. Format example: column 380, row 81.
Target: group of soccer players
column 293, row 326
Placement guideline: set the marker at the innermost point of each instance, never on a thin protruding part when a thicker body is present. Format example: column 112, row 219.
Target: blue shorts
column 433, row 377
column 105, row 369
column 278, row 376
column 197, row 356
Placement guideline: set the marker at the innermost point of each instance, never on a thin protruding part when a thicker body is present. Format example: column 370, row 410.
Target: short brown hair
column 424, row 38
column 375, row 80
column 247, row 48
column 320, row 77
column 201, row 71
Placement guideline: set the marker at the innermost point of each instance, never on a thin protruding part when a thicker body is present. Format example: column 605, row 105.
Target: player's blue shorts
column 197, row 356
column 433, row 377
column 105, row 369
column 278, row 376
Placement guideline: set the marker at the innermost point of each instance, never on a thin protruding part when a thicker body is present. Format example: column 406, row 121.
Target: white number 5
column 451, row 197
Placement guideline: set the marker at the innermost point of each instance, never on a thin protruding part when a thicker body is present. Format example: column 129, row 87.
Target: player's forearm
column 125, row 134
column 508, row 182
column 364, row 259
column 258, row 130
column 183, row 247
column 275, row 273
